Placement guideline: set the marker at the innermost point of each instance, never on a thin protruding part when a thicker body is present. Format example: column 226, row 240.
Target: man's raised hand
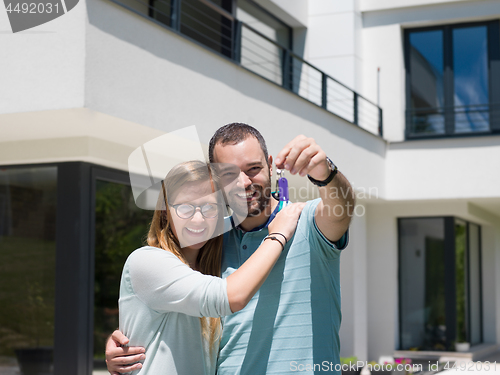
column 303, row 156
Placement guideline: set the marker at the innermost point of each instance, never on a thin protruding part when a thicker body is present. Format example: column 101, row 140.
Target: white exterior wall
column 353, row 278
column 334, row 40
column 43, row 68
column 444, row 169
column 383, row 49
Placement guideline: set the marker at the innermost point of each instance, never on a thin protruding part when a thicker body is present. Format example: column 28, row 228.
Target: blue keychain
column 282, row 188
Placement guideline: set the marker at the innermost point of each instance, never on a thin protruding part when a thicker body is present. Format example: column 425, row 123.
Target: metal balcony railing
column 453, row 121
column 217, row 29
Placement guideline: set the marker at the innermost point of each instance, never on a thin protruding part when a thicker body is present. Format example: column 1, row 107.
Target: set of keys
column 281, row 191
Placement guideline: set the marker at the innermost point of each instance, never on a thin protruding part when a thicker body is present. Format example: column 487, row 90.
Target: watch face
column 330, row 163
column 333, row 172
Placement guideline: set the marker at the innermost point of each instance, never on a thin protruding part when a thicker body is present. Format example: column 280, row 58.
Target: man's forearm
column 338, row 199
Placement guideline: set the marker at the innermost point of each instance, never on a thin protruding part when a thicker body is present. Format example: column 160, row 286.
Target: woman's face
column 195, row 231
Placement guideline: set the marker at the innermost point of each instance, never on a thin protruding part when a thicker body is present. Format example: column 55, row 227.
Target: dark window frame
column 449, row 250
column 493, row 59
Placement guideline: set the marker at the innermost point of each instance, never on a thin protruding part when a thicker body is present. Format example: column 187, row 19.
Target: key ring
column 281, row 191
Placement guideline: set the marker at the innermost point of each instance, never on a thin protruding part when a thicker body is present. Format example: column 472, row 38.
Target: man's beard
column 263, row 199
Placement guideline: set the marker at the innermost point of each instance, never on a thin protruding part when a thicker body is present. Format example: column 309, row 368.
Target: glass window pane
column 461, row 279
column 27, row 269
column 475, row 284
column 120, row 228
column 426, row 85
column 470, row 68
column 423, row 323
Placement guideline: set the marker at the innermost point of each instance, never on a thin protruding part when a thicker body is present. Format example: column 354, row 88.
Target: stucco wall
column 444, row 168
column 43, row 68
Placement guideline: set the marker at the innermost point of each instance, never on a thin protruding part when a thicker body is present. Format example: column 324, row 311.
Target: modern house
column 403, row 95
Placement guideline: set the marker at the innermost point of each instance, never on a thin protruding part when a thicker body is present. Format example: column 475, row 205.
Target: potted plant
column 350, row 366
column 461, row 345
column 35, row 359
column 403, row 365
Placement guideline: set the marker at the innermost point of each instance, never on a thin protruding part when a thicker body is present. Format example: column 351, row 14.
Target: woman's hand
column 286, row 220
column 243, row 283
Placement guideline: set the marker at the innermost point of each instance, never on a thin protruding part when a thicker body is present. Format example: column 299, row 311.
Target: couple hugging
column 264, row 298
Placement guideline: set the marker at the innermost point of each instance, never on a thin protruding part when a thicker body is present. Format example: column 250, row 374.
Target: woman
column 171, row 293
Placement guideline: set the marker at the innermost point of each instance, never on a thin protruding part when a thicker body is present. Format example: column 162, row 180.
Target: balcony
column 263, row 48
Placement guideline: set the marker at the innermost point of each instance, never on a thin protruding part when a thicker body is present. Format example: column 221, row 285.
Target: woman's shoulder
column 143, row 262
column 151, row 252
column 148, row 255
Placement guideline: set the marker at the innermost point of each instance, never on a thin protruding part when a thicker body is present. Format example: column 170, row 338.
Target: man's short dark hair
column 233, row 134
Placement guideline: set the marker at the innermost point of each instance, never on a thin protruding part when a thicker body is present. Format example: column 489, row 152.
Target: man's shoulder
column 309, row 210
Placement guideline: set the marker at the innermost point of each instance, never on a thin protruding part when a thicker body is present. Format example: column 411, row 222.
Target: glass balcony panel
column 307, row 81
column 261, row 56
column 368, row 115
column 340, row 100
column 261, row 21
column 427, row 121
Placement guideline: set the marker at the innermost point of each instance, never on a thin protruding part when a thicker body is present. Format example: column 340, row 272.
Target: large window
column 65, row 232
column 120, row 228
column 439, row 283
column 453, row 85
column 27, row 269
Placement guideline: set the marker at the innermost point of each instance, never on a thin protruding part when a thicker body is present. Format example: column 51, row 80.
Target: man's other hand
column 122, row 359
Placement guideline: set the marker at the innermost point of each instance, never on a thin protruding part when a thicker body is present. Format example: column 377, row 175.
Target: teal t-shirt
column 292, row 323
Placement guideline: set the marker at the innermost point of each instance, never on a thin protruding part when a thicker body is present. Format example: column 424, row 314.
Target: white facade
column 100, row 81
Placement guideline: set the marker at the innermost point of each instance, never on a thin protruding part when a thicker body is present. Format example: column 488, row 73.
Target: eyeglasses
column 186, row 210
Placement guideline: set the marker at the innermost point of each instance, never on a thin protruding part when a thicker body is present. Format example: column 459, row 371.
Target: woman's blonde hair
column 162, row 236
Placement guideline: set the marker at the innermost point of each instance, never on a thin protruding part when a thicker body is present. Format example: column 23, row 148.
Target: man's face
column 255, row 175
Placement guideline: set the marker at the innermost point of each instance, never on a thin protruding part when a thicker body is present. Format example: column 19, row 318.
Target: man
column 292, row 323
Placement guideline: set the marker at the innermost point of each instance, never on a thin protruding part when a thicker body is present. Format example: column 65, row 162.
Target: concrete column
column 334, row 40
column 353, row 332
